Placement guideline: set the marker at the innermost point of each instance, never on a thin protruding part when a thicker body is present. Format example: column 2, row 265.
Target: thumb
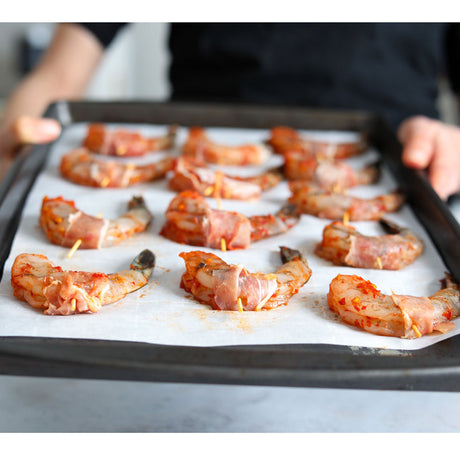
column 30, row 130
column 418, row 136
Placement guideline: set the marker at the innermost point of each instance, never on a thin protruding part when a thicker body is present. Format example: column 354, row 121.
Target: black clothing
column 391, row 69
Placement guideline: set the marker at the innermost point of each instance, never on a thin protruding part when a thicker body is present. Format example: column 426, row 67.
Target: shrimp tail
column 289, row 214
column 373, row 171
column 390, row 227
column 136, row 202
column 393, row 201
column 144, row 262
column 265, row 181
column 279, row 170
column 288, row 255
column 271, row 225
column 271, row 178
column 448, row 282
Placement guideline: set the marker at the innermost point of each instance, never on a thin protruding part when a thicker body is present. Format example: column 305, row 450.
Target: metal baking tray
column 435, row 368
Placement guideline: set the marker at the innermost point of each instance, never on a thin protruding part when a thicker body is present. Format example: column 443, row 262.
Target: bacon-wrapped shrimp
column 190, row 220
column 189, row 174
column 359, row 303
column 327, row 174
column 83, row 168
column 121, row 142
column 342, row 244
column 284, row 139
column 334, row 205
column 199, row 146
column 231, row 287
column 42, row 284
column 64, row 224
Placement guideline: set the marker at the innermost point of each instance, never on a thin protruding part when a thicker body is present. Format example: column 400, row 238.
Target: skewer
column 74, row 248
column 240, row 305
column 121, row 150
column 105, row 182
column 223, row 245
column 415, row 328
column 336, row 188
column 208, row 191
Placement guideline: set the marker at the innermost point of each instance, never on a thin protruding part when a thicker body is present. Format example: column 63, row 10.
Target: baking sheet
column 162, row 313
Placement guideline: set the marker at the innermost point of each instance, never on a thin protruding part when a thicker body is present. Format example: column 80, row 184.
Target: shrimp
column 64, row 224
column 199, row 146
column 189, row 174
column 343, row 245
column 125, row 143
column 190, row 220
column 359, row 303
column 81, row 167
column 231, row 287
column 284, row 139
column 333, row 205
column 327, row 174
column 42, row 284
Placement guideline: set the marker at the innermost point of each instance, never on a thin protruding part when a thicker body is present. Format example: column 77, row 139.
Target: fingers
column 418, row 135
column 444, row 171
column 30, row 130
column 25, row 130
column 434, row 145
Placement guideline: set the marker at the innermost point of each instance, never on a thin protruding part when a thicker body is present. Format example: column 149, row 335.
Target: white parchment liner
column 163, row 313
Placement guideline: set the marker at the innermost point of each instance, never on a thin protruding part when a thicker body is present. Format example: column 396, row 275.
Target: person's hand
column 434, row 145
column 24, row 130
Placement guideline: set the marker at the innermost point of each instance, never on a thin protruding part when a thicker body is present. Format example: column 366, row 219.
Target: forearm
column 64, row 73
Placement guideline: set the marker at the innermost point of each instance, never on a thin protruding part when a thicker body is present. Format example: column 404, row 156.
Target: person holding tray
column 389, row 69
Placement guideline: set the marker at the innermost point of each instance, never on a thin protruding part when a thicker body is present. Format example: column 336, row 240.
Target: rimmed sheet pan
column 435, row 368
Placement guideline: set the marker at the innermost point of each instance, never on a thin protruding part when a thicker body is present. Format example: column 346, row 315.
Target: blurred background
column 135, row 66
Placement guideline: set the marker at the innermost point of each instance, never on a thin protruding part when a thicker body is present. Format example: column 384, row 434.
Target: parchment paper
column 162, row 312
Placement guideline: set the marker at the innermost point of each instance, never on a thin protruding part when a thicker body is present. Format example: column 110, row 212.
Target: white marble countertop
column 66, row 405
